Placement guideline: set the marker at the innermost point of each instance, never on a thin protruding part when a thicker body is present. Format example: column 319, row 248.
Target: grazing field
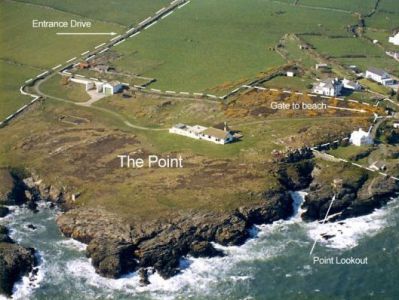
column 291, row 83
column 123, row 12
column 42, row 48
column 386, row 16
column 12, row 77
column 209, row 44
column 362, row 6
column 58, row 87
column 353, row 51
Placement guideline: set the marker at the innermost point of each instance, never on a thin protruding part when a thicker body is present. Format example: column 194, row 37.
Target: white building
column 290, row 73
column 394, row 39
column 361, row 137
column 396, row 125
column 89, row 84
column 112, row 87
column 379, row 76
column 328, row 87
column 198, row 132
column 351, row 85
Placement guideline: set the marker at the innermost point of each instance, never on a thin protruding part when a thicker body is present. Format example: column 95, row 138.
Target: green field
column 362, row 6
column 291, row 83
column 40, row 47
column 27, row 52
column 71, row 91
column 209, row 45
column 353, row 51
column 123, row 12
column 12, row 76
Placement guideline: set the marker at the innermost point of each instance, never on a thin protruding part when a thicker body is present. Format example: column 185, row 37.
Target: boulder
column 111, row 258
column 15, row 262
column 3, row 211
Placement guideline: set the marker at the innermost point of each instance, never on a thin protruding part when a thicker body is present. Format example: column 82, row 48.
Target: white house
column 112, row 87
column 396, row 125
column 198, row 132
column 361, row 137
column 351, row 85
column 379, row 76
column 328, row 87
column 394, row 39
column 290, row 73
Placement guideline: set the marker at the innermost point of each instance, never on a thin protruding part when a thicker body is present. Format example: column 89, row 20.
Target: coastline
column 116, row 248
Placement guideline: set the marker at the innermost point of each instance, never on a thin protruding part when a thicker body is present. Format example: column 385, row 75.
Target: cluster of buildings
column 333, row 86
column 106, row 88
column 210, row 134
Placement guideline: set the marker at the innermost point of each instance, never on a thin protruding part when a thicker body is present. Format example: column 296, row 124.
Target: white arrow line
column 86, row 33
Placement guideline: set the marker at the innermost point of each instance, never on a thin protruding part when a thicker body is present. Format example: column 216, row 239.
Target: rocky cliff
column 15, row 262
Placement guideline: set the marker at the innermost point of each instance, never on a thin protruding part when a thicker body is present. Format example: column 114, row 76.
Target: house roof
column 180, row 126
column 329, row 83
column 379, row 72
column 217, row 133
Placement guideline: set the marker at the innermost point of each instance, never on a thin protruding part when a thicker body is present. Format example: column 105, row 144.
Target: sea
column 354, row 259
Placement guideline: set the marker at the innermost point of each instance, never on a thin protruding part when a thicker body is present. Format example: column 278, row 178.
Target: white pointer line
column 324, row 221
column 85, row 33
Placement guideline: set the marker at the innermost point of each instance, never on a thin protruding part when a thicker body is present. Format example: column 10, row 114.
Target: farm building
column 361, row 137
column 107, row 88
column 394, row 39
column 89, row 84
column 351, row 85
column 217, row 136
column 328, row 87
column 379, row 76
column 112, row 87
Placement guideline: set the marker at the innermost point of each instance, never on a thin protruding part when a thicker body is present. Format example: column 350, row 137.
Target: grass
column 292, row 83
column 123, row 12
column 71, row 91
column 194, row 49
column 374, row 86
column 350, row 152
column 164, row 113
column 362, row 6
column 12, row 76
column 42, row 48
column 353, row 51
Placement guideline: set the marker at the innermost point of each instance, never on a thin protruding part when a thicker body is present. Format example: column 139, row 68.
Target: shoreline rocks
column 116, row 247
column 15, row 262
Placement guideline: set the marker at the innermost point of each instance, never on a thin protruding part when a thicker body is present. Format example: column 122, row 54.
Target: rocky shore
column 117, row 247
column 15, row 262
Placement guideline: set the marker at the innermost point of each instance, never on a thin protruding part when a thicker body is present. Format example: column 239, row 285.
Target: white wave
column 73, row 244
column 26, row 286
column 347, row 234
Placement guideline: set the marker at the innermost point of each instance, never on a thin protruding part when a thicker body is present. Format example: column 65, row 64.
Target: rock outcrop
column 116, row 248
column 356, row 193
column 15, row 262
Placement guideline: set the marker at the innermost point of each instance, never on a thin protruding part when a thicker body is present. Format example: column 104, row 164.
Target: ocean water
column 275, row 264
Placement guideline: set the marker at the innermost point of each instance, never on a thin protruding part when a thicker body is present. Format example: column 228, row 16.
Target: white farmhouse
column 379, row 76
column 394, row 39
column 198, row 132
column 329, row 87
column 361, row 137
column 351, row 85
column 112, row 87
